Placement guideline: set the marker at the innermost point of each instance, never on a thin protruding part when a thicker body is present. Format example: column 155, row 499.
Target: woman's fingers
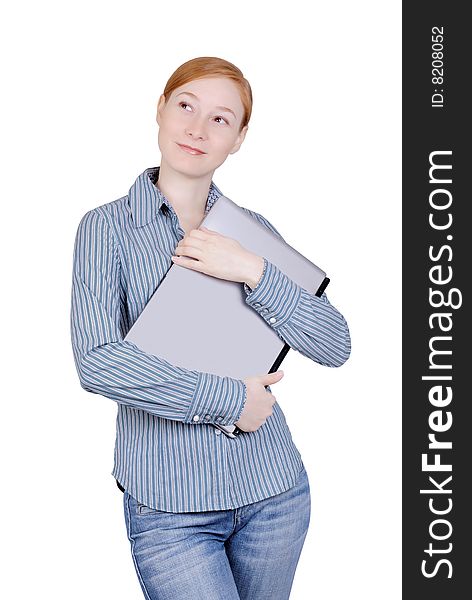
column 187, row 250
column 210, row 231
column 185, row 261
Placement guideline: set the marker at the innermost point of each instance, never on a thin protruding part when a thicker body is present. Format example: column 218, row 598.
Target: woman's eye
column 183, row 104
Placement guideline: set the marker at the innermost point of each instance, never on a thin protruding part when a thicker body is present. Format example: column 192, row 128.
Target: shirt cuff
column 216, row 400
column 275, row 296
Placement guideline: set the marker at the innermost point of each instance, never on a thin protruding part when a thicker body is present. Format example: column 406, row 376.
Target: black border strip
column 436, row 269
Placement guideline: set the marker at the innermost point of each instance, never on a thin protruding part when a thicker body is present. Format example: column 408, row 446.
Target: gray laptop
column 223, row 335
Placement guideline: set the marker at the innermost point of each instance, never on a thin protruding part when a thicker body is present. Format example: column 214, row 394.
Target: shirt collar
column 146, row 199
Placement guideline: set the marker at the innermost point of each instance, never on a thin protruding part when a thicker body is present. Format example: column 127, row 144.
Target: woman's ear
column 239, row 140
column 160, row 104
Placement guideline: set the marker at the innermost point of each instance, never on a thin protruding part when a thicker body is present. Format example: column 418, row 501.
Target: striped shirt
column 164, row 457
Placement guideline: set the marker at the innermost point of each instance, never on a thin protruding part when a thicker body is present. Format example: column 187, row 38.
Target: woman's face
column 205, row 114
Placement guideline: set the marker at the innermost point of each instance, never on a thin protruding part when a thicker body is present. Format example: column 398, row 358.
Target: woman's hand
column 215, row 254
column 259, row 401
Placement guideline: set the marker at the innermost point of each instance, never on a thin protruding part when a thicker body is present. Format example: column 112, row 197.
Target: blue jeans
column 247, row 553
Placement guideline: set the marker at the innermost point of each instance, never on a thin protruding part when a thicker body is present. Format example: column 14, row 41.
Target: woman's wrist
column 257, row 269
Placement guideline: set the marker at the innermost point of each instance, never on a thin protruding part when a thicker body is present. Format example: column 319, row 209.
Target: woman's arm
column 307, row 323
column 118, row 369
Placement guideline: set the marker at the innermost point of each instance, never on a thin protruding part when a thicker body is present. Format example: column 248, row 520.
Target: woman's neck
column 187, row 195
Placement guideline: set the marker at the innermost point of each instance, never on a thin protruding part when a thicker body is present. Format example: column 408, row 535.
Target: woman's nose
column 196, row 129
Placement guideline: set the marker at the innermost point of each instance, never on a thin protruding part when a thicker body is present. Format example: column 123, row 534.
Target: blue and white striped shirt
column 163, row 457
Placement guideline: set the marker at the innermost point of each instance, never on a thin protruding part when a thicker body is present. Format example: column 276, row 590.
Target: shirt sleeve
column 118, row 369
column 307, row 323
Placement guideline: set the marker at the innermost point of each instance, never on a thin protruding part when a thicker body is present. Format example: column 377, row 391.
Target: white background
column 321, row 161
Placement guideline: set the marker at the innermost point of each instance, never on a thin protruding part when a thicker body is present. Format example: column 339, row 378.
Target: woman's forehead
column 218, row 90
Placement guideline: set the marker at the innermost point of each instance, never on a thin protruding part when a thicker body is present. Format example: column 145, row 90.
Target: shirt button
column 207, row 417
column 264, row 310
column 257, row 305
column 272, row 320
column 218, row 431
column 196, row 418
column 219, row 419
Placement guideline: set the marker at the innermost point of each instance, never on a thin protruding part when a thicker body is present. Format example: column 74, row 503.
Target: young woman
column 207, row 516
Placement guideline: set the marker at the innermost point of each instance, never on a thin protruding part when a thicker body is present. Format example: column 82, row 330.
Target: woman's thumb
column 273, row 377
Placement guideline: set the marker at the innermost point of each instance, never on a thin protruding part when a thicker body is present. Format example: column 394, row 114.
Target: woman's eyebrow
column 224, row 108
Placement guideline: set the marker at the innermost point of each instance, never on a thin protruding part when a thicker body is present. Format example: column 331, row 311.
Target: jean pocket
column 142, row 509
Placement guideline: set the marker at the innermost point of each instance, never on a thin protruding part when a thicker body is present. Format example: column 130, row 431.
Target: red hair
column 212, row 66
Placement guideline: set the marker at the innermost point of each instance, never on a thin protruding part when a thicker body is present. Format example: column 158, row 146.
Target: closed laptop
column 203, row 323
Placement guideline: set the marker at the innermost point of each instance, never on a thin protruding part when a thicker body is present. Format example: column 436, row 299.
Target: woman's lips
column 190, row 150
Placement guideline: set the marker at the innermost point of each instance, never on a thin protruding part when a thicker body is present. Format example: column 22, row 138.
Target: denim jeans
column 247, row 553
